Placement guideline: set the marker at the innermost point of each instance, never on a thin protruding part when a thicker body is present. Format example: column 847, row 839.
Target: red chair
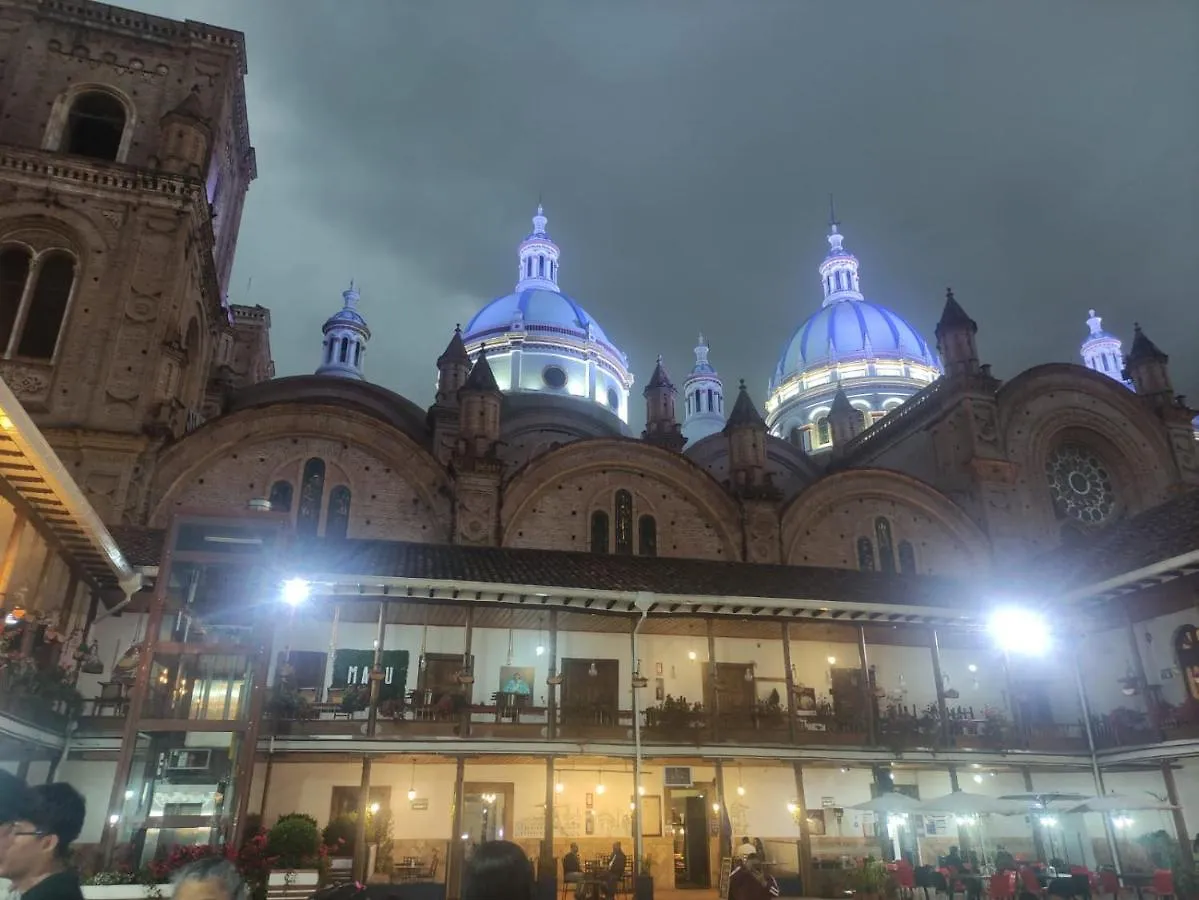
column 1109, row 883
column 1162, row 884
column 1029, row 883
column 905, row 878
column 1002, row 885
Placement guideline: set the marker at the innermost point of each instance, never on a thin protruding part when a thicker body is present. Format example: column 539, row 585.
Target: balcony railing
column 38, row 697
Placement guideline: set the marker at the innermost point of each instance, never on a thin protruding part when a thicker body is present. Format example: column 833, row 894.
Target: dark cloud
column 1040, row 157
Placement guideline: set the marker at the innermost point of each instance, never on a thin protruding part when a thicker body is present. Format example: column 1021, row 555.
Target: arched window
column 599, row 531
column 529, row 267
column 14, row 272
column 823, row 434
column 329, row 351
column 907, row 558
column 886, row 550
column 865, row 554
column 624, row 522
column 312, row 492
column 281, row 496
column 345, row 350
column 357, row 353
column 48, row 306
column 337, row 522
column 541, row 267
column 647, row 536
column 95, row 126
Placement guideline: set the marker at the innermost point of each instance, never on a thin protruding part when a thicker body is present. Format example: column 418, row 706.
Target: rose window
column 1080, row 484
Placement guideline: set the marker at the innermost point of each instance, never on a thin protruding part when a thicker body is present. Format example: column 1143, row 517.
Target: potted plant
column 124, row 885
column 294, row 843
column 870, row 879
column 286, row 703
column 355, row 699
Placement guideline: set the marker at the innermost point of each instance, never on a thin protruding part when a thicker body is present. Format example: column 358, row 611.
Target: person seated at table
column 749, row 881
column 747, row 847
column 615, row 870
column 572, row 870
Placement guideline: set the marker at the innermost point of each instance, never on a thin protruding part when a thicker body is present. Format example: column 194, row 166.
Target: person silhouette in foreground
column 35, row 846
column 499, row 870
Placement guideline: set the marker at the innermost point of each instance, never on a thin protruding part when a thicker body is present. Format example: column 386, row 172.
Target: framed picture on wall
column 805, row 701
column 651, row 816
column 516, row 680
column 589, row 823
column 657, row 668
column 659, row 689
column 589, row 800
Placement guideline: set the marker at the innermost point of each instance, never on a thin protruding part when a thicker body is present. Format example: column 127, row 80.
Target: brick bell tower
column 125, row 159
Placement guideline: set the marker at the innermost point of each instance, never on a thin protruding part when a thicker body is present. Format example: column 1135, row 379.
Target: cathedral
column 787, row 551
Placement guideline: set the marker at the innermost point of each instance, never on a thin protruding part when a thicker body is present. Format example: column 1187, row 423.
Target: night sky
column 1040, row 156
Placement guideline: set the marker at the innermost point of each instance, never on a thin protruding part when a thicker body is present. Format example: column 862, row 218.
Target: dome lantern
column 343, row 352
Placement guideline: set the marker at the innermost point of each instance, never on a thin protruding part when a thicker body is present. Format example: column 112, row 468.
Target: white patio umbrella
column 964, row 803
column 1042, row 799
column 890, row 802
column 1120, row 803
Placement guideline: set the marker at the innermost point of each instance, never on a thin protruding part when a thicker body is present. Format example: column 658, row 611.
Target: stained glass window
column 1080, row 485
column 647, row 536
column 281, row 496
column 624, row 523
column 886, row 552
column 599, row 531
column 338, row 519
column 823, row 434
column 907, row 558
column 312, row 493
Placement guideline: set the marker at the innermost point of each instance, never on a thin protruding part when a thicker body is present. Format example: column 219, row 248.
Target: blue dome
column 849, row 330
column 538, row 309
column 346, row 316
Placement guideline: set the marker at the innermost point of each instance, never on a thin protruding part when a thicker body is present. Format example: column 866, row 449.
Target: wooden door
column 734, row 695
column 440, row 677
column 590, row 699
column 847, row 697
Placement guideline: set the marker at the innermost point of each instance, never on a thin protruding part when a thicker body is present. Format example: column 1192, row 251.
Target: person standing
column 36, row 851
column 749, row 881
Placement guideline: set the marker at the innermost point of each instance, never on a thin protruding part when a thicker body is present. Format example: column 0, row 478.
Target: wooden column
column 547, row 842
column 714, row 712
column 468, row 688
column 789, row 674
column 803, row 847
column 726, row 837
column 11, row 549
column 954, row 785
column 939, row 681
column 1038, row 830
column 372, row 723
column 266, row 783
column 867, row 688
column 551, row 729
column 39, row 586
column 1180, row 822
column 244, row 776
column 456, row 858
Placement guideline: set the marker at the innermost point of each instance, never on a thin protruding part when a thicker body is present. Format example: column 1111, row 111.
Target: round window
column 1080, row 484
column 554, row 377
column 613, row 398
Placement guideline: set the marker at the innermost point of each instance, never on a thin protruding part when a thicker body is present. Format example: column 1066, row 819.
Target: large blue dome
column 535, row 309
column 852, row 329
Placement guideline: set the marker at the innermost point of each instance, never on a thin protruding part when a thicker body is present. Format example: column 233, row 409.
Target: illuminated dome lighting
column 540, row 340
column 876, row 357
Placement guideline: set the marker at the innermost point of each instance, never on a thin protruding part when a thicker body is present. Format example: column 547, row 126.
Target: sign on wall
column 352, row 668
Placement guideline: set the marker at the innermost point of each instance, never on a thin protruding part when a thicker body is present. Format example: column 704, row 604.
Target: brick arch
column 80, row 235
column 61, row 109
column 208, row 447
column 581, row 460
column 845, row 500
column 1055, row 404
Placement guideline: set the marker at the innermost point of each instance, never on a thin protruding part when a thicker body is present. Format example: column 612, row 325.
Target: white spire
column 538, row 258
column 839, row 271
column 1101, row 351
column 343, row 351
column 703, row 394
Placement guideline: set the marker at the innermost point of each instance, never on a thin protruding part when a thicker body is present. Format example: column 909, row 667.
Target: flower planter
column 294, row 878
column 127, row 891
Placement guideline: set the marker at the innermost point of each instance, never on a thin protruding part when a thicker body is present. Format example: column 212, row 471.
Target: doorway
column 689, row 830
column 486, row 814
column 590, row 691
column 735, row 696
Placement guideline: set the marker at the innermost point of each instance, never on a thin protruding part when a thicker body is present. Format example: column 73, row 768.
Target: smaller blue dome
column 346, row 316
column 537, row 309
column 849, row 330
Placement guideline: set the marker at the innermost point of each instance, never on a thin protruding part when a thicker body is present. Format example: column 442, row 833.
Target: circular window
column 1080, row 484
column 613, row 398
column 554, row 377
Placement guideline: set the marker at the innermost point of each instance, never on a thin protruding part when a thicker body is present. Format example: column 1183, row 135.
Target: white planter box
column 127, row 891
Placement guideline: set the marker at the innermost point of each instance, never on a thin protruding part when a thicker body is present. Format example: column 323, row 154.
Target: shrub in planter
column 340, row 834
column 294, row 842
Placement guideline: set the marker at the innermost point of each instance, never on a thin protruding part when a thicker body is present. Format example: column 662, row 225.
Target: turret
column 1148, row 371
column 955, row 339
column 703, row 394
column 538, row 258
column 1102, row 351
column 661, row 425
column 185, row 138
column 844, row 421
column 343, row 351
column 479, row 411
column 746, row 433
column 453, row 367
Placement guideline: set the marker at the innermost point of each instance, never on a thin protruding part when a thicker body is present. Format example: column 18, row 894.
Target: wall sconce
column 692, row 655
column 832, row 660
column 559, row 788
column 592, row 670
